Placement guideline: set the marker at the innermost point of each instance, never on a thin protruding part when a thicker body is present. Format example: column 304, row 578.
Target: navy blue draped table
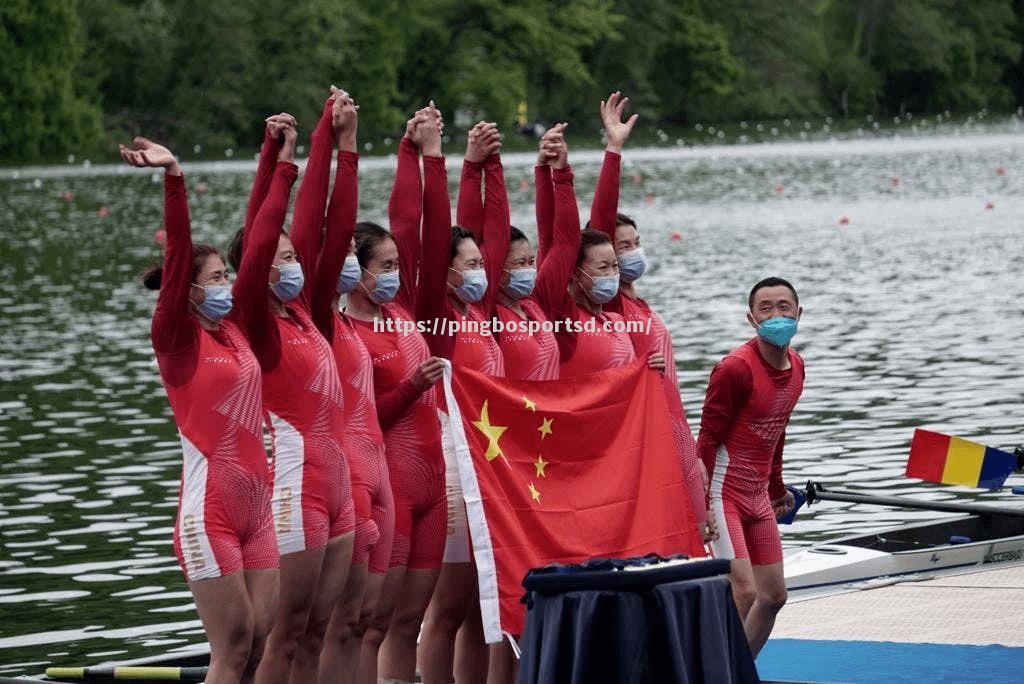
column 636, row 626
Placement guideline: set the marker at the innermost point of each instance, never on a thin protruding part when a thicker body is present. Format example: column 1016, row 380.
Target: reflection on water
column 912, row 318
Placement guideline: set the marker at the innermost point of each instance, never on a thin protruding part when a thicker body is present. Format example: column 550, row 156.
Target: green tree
column 42, row 111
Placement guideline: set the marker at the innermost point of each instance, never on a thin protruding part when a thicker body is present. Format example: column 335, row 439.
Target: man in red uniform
column 750, row 397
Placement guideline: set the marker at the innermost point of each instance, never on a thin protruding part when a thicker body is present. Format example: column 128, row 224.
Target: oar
column 106, row 674
column 816, row 492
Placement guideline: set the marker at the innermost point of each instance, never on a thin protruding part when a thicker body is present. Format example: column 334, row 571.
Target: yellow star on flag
column 492, row 432
column 534, row 493
column 545, row 427
column 529, row 404
column 539, row 465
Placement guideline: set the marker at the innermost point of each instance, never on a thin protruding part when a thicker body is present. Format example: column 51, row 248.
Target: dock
column 966, row 626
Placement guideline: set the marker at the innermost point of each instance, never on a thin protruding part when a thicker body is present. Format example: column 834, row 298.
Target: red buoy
column 676, row 236
column 103, row 212
column 844, row 221
column 895, row 181
column 989, row 206
column 637, row 178
column 68, row 195
column 1000, row 171
column 649, row 199
column 524, row 185
column 160, row 237
column 779, row 189
column 201, row 188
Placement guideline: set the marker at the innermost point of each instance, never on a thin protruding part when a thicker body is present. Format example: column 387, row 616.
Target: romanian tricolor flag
column 950, row 460
column 564, row 471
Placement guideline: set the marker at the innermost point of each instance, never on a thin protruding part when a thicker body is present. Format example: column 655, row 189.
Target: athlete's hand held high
column 784, row 504
column 548, row 147
column 149, row 153
column 616, row 131
column 287, row 153
column 344, row 118
column 484, row 140
column 276, row 123
column 429, row 372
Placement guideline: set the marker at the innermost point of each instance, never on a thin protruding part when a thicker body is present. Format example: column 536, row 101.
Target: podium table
column 635, row 626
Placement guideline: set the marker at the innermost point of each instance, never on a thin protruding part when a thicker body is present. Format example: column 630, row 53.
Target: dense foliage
column 77, row 74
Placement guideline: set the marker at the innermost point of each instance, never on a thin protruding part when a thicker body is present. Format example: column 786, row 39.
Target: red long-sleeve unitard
column 412, row 437
column 212, row 381
column 302, row 393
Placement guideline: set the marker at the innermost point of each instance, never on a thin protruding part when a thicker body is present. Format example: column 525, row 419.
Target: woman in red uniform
column 337, row 272
column 302, row 394
column 382, row 306
column 212, row 381
column 516, row 286
column 627, row 303
column 456, row 283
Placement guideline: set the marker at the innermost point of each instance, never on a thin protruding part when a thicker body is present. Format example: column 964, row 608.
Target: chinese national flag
column 564, row 471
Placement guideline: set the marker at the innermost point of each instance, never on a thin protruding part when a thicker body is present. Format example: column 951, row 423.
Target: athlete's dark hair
column 458, row 235
column 516, row 235
column 621, row 220
column 368, row 236
column 771, row 282
column 590, row 238
column 235, row 249
column 152, row 277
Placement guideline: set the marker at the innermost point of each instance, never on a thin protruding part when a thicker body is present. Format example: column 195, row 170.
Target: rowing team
column 351, row 548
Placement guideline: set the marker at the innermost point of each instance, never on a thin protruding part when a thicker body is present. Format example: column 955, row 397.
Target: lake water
column 913, row 317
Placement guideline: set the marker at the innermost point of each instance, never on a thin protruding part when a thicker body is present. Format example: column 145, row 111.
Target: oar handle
column 816, row 492
column 148, row 673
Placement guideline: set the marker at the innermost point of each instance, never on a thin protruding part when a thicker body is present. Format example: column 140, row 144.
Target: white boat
column 926, row 548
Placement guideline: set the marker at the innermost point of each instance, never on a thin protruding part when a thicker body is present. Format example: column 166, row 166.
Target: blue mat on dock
column 811, row 660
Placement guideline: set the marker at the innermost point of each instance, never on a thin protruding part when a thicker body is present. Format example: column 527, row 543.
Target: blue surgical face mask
column 291, row 282
column 349, row 275
column 777, row 331
column 632, row 265
column 474, row 284
column 385, row 286
column 217, row 303
column 521, row 282
column 604, row 287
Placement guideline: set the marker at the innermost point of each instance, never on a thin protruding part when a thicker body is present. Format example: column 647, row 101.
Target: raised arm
column 432, row 287
column 311, row 201
column 483, row 141
column 405, row 209
column 605, row 207
column 173, row 329
column 497, row 227
column 554, row 274
column 544, row 201
column 251, row 290
column 265, row 166
column 341, row 217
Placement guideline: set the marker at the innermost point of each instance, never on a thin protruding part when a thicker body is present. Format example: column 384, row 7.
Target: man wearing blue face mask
column 749, row 400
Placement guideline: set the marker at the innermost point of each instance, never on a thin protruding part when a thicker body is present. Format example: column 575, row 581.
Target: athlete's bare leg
column 226, row 611
column 377, row 623
column 340, row 655
column 471, row 652
column 502, row 664
column 741, row 577
column 262, row 586
column 333, row 578
column 398, row 652
column 447, row 611
column 771, row 597
column 300, row 573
